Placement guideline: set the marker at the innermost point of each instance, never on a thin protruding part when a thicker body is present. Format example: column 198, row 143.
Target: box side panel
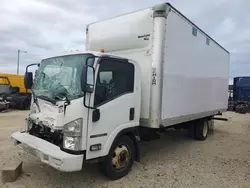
column 195, row 72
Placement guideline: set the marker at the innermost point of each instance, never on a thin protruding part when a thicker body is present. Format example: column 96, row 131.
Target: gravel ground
column 175, row 160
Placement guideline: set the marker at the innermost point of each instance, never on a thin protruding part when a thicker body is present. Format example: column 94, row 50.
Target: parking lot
column 223, row 160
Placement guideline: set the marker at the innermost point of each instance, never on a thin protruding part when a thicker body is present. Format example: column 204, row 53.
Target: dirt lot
column 223, row 160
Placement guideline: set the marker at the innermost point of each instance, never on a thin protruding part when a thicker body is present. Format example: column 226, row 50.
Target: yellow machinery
column 13, row 92
column 15, row 81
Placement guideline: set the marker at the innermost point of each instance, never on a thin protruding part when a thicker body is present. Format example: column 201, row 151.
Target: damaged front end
column 44, row 132
column 47, row 123
column 49, row 138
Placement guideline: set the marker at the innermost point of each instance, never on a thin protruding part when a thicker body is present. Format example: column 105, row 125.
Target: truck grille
column 45, row 133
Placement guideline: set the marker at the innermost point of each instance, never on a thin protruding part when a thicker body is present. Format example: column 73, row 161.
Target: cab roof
column 95, row 53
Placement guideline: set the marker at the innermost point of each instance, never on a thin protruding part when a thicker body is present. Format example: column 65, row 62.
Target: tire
column 113, row 166
column 20, row 105
column 211, row 126
column 24, row 103
column 244, row 110
column 201, row 129
column 191, row 130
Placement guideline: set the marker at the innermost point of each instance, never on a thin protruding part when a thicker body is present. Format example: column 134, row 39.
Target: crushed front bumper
column 48, row 152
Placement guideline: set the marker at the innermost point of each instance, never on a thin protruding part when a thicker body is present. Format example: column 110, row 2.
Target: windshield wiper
column 35, row 100
column 46, row 98
column 61, row 97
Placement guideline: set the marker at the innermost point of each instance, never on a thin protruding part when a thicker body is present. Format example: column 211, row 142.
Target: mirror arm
column 32, row 65
column 84, row 103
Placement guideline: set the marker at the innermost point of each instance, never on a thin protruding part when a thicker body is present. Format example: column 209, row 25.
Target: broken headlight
column 72, row 133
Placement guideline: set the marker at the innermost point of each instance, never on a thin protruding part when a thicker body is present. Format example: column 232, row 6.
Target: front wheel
column 120, row 159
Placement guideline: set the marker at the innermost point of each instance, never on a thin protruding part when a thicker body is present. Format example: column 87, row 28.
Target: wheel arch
column 132, row 133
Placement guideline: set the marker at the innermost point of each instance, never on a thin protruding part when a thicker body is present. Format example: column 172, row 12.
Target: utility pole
column 18, row 59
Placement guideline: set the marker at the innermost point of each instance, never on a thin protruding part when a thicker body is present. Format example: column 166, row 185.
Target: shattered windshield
column 59, row 78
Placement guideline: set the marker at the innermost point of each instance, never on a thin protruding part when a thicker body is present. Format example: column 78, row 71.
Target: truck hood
column 50, row 115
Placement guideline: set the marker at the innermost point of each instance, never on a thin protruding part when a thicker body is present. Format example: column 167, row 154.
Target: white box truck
column 142, row 72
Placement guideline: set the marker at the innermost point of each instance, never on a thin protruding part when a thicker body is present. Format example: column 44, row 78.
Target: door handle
column 131, row 114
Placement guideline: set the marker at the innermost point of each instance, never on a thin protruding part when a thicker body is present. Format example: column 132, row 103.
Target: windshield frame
column 44, row 93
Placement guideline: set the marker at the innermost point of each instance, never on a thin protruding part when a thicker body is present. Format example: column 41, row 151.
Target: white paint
column 51, row 116
column 141, row 55
column 114, row 117
column 190, row 75
column 49, row 153
column 195, row 75
column 119, row 36
column 156, row 75
column 121, row 33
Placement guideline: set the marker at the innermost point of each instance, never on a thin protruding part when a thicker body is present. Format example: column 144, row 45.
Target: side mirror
column 28, row 80
column 87, row 81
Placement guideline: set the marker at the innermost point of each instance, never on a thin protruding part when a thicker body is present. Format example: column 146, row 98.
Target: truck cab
column 83, row 103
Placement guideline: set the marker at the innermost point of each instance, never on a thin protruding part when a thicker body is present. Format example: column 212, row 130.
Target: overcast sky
column 47, row 27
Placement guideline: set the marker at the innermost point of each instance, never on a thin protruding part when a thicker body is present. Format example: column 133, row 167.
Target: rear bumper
column 48, row 153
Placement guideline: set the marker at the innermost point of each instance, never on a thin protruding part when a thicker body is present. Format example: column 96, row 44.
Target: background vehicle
column 95, row 107
column 13, row 93
column 240, row 95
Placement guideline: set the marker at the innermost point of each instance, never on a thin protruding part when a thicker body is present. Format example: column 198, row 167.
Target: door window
column 105, row 77
column 115, row 78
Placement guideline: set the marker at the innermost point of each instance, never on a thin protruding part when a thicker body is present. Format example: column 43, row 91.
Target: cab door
column 115, row 100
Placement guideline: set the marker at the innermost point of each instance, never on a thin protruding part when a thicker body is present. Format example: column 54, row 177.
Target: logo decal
column 145, row 36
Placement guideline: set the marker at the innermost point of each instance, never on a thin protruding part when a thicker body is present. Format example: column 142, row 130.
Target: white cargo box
column 184, row 71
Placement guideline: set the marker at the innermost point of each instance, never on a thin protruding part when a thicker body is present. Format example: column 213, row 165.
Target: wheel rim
column 205, row 130
column 120, row 157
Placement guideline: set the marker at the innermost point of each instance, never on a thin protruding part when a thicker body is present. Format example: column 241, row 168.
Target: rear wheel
column 120, row 159
column 191, row 130
column 201, row 129
column 211, row 126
